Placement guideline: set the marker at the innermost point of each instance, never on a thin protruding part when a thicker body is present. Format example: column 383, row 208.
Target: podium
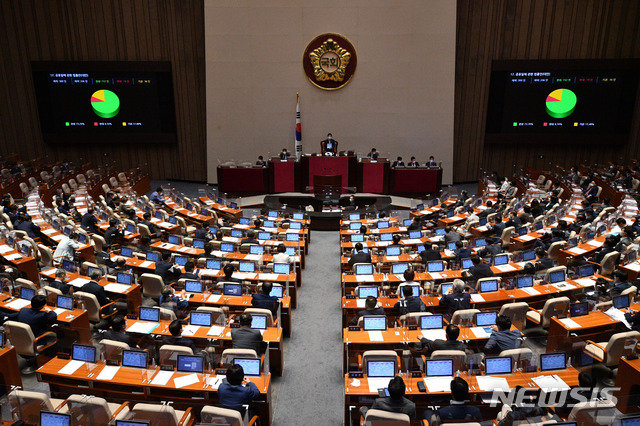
column 373, row 176
column 339, row 165
column 283, row 175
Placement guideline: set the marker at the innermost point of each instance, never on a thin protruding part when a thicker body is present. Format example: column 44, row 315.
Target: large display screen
column 117, row 102
column 556, row 101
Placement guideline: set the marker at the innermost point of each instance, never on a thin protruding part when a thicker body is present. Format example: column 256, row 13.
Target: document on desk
column 183, row 381
column 576, row 251
column 506, row 268
column 434, row 334
column 393, row 258
column 142, row 327
column 215, row 382
column 475, row 297
column 481, row 332
column 244, row 275
column 5, row 249
column 364, row 278
column 595, row 243
column 59, row 311
column 530, row 291
column 489, row 383
column 435, row 275
column 18, row 304
column 49, row 231
column 117, row 288
column 71, row 367
column 360, row 303
column 635, row 266
column 376, row 383
column 215, row 330
column 146, row 264
column 162, row 378
column 564, row 286
column 550, row 383
column 526, row 237
column 214, row 298
column 268, row 277
column 253, row 257
column 108, row 372
column 14, row 256
column 586, row 282
column 375, row 336
column 438, row 384
column 412, row 241
column 183, row 249
column 190, row 330
column 569, row 323
column 167, row 246
column 78, row 282
column 617, row 315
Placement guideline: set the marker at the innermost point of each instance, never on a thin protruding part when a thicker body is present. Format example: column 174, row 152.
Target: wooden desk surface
column 50, row 273
column 399, row 336
column 65, row 316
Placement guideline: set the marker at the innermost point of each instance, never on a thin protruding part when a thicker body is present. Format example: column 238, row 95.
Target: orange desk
column 9, row 373
column 595, row 326
column 627, row 380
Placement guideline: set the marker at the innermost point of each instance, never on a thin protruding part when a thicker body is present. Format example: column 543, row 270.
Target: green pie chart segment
column 561, row 103
column 105, row 103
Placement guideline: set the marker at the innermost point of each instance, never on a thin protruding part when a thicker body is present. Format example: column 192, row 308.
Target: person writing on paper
column 458, row 408
column 264, row 300
column 175, row 328
column 456, row 298
column 395, row 402
column 246, row 337
column 59, row 283
column 452, row 343
column 35, row 316
column 502, row 338
column 236, row 391
column 359, row 256
column 65, row 248
column 329, row 146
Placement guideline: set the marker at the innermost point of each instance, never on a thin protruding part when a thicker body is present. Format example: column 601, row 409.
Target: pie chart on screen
column 561, row 103
column 105, row 103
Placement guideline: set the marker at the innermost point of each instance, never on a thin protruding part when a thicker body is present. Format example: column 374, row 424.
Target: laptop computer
column 528, row 256
column 85, row 353
column 298, row 216
column 387, row 236
column 190, row 364
column 124, row 278
column 213, row 264
column 231, row 289
column 444, row 288
column 399, row 268
column 281, row 268
column 199, row 244
column 354, row 226
column 173, row 239
column 524, row 281
column 485, row 319
column 259, row 322
column 438, row 367
column 579, row 309
column 277, row 291
column 393, row 251
column 556, row 277
column 64, row 302
column 621, row 302
column 435, row 266
column 553, row 361
column 480, row 242
column 135, row 358
column 27, row 293
column 500, row 259
column 357, row 238
column 629, row 421
column 383, row 224
column 431, row 322
column 152, row 256
column 50, row 418
column 585, row 271
column 366, row 291
column 364, row 269
column 498, row 365
column 374, row 323
column 149, row 314
column 415, row 235
column 250, row 366
column 489, row 285
column 354, row 216
column 381, row 369
column 256, row 249
column 200, row 318
column 246, row 266
column 466, row 263
column 192, row 286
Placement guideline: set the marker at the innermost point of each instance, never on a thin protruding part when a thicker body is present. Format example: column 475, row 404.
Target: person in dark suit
column 620, row 283
column 189, row 273
column 228, row 271
column 59, row 283
column 591, row 193
column 543, row 262
column 246, row 337
column 456, row 298
column 89, row 222
column 329, row 145
column 607, row 247
column 430, row 252
column 117, row 332
column 395, row 402
column 451, row 235
column 157, row 197
column 96, row 289
column 147, row 222
column 431, row 162
column 451, row 344
column 502, row 338
column 410, row 302
column 113, row 234
column 416, row 225
column 370, row 308
column 34, row 316
column 413, row 162
column 236, row 391
column 359, row 256
column 27, row 225
column 461, row 251
column 202, row 232
column 175, row 328
column 169, row 300
column 284, row 155
column 459, row 410
column 398, row 162
column 250, row 238
column 263, row 300
column 373, row 154
column 260, row 162
column 480, row 268
column 489, row 210
column 165, row 268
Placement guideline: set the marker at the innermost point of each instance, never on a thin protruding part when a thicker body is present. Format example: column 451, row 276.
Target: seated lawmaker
column 236, row 391
column 410, row 302
column 246, row 337
column 169, row 300
column 451, row 344
column 395, row 402
column 284, row 155
column 190, row 272
column 398, row 162
column 228, row 271
column 431, row 162
column 250, row 238
column 96, row 289
column 263, row 299
column 146, row 220
column 176, row 339
column 413, row 162
column 65, row 248
column 544, row 262
column 373, row 154
column 35, row 316
column 27, row 225
column 117, row 332
column 203, row 232
column 157, row 197
column 89, row 222
column 370, row 308
column 59, row 283
column 416, row 224
column 260, row 162
column 502, row 338
column 165, row 268
column 329, row 146
column 480, row 268
column 431, row 252
column 456, row 298
column 620, row 283
column 282, row 256
column 360, row 256
column 458, row 409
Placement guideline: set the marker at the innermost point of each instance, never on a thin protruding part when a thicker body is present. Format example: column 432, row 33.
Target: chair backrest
column 83, row 407
column 156, row 414
column 152, row 285
column 380, row 355
column 516, row 312
column 259, row 311
column 621, row 344
column 554, row 249
column 386, row 418
column 22, row 337
column 520, row 356
column 220, row 416
column 105, row 188
column 50, row 290
column 413, row 318
column 554, row 269
column 540, row 180
column 113, row 349
column 122, row 177
column 608, row 263
column 506, row 235
column 228, row 355
column 46, row 255
column 464, row 316
column 169, row 353
column 26, row 405
column 90, row 304
column 99, row 242
column 218, row 315
column 587, row 413
column 23, row 282
column 552, row 307
column 144, row 230
column 167, row 314
column 114, row 182
column 631, row 291
column 458, row 358
column 81, row 179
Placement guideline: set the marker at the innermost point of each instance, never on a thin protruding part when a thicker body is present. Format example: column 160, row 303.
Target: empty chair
column 23, row 282
column 464, row 316
column 26, row 405
column 98, row 242
column 608, row 263
column 144, row 230
column 380, row 355
column 81, row 179
column 65, row 188
column 259, row 311
column 152, row 285
column 25, row 190
column 506, row 235
column 98, row 315
column 94, row 410
column 228, row 355
column 516, row 312
column 386, row 418
column 113, row 349
column 33, row 182
column 554, row 249
column 521, row 356
column 225, row 416
column 161, row 414
column 610, row 352
column 167, row 314
column 552, row 307
column 593, row 412
column 122, row 177
column 27, row 345
column 540, row 180
column 46, row 255
column 168, row 354
column 113, row 182
column 106, row 188
column 457, row 356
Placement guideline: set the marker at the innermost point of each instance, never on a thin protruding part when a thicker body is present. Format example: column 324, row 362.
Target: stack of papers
column 412, row 241
column 214, row 298
column 5, row 249
column 244, row 275
column 480, row 332
column 268, row 276
column 59, row 311
column 435, row 275
column 146, row 264
column 530, row 290
column 215, row 330
column 14, row 256
column 215, row 382
column 489, row 383
column 563, row 286
column 393, row 258
column 360, row 303
column 108, row 372
column 375, row 336
column 475, row 297
column 376, row 383
column 569, row 323
column 116, row 288
column 506, row 268
column 18, row 304
column 438, row 384
column 526, row 237
column 142, row 327
column 364, row 278
column 435, row 334
column 617, row 315
column 190, row 330
column 162, row 378
column 577, row 251
column 586, row 282
column 78, row 282
column 187, row 380
column 71, row 367
column 550, row 383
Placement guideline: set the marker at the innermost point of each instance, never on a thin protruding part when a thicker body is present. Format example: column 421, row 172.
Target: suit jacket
column 113, row 235
column 481, row 270
column 410, row 304
column 455, row 301
column 246, row 338
column 163, row 269
column 179, row 341
column 452, row 237
column 431, row 164
column 63, row 287
column 501, row 341
column 152, row 227
column 360, row 257
column 459, row 412
column 234, row 397
column 39, row 321
column 429, row 254
column 263, row 301
column 97, row 290
column 32, row 230
column 329, row 146
column 402, row 406
column 442, row 345
column 89, row 222
column 201, row 234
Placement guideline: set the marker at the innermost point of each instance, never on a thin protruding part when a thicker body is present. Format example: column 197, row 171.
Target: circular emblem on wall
column 329, row 61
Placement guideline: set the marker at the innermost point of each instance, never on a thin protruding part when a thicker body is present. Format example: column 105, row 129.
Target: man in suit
column 456, row 298
column 620, row 283
column 451, row 344
column 27, row 225
column 395, row 402
column 35, row 317
column 65, row 248
column 462, row 252
column 96, row 289
column 202, row 232
column 89, row 222
column 176, row 339
column 359, row 256
column 431, row 252
column 59, row 283
column 261, row 162
column 147, row 222
column 410, row 302
column 451, row 235
column 228, row 271
column 431, row 162
column 502, row 338
column 263, row 300
column 413, row 162
column 189, row 273
column 250, row 238
column 246, row 337
column 329, row 146
column 607, row 247
column 480, row 268
column 416, row 225
column 543, row 262
column 236, row 391
column 398, row 162
column 373, row 154
column 284, row 155
column 164, row 267
column 370, row 308
column 591, row 193
column 113, row 234
column 459, row 410
column 117, row 332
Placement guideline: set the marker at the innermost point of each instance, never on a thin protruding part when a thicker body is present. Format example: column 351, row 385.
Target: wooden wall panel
column 534, row 29
column 96, row 30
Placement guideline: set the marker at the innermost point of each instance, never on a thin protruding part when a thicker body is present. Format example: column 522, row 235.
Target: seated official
column 451, row 344
column 373, row 154
column 456, row 298
column 169, row 300
column 59, row 283
column 416, row 224
column 543, row 262
column 370, row 308
column 202, row 232
column 235, row 391
column 228, row 271
column 398, row 162
column 96, row 289
column 153, row 229
column 176, row 339
column 157, row 197
column 502, row 338
column 263, row 300
column 431, row 162
column 260, row 162
column 413, row 163
column 27, row 225
column 585, row 390
column 527, row 411
column 329, row 145
column 35, row 316
column 620, row 283
column 208, row 248
column 395, row 402
column 89, row 222
column 246, row 337
column 65, row 248
column 118, row 333
column 190, row 272
column 409, row 303
column 451, row 235
column 462, row 251
column 113, row 234
column 360, row 256
column 284, row 155
column 458, row 409
column 607, row 247
column 165, row 269
column 489, row 210
column 144, row 245
column 250, row 238
column 480, row 268
column 281, row 256
column 431, row 252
